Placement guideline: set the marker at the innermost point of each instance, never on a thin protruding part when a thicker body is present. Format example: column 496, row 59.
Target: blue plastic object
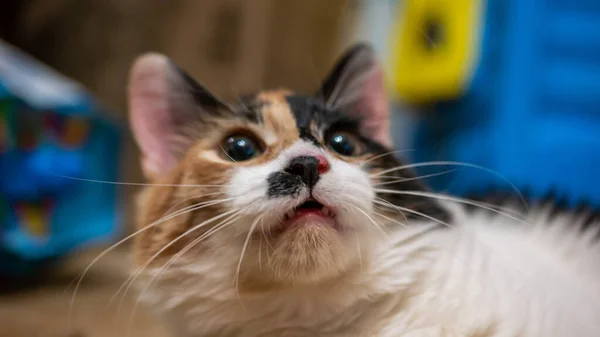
column 532, row 110
column 54, row 140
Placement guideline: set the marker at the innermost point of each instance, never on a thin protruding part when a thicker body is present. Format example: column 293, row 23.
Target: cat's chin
column 308, row 250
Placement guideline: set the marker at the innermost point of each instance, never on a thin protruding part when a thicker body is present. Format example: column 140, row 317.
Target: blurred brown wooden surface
column 43, row 311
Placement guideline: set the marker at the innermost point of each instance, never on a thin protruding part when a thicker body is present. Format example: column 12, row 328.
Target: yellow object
column 34, row 219
column 435, row 48
column 76, row 131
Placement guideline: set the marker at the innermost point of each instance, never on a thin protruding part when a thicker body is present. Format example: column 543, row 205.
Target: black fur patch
column 305, row 109
column 282, row 184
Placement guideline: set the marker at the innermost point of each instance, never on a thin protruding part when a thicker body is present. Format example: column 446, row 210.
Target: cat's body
column 296, row 220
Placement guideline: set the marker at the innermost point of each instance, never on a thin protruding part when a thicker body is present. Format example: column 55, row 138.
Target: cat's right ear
column 162, row 100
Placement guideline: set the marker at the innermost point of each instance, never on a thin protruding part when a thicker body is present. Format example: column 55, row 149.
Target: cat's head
column 278, row 188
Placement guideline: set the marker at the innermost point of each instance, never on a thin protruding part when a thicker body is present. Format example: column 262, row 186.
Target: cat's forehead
column 291, row 115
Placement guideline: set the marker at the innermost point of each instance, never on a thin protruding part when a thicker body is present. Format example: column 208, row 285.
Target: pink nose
column 323, row 164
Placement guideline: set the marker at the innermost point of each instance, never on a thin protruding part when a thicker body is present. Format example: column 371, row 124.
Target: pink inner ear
column 149, row 111
column 373, row 107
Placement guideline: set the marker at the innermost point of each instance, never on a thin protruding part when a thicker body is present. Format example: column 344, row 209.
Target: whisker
column 390, row 219
column 229, row 220
column 120, row 242
column 373, row 221
column 132, row 279
column 132, row 184
column 386, row 154
column 399, row 211
column 244, row 247
column 260, row 239
column 359, row 251
column 227, row 154
column 399, row 208
column 413, row 178
column 443, row 163
column 453, row 199
column 188, row 247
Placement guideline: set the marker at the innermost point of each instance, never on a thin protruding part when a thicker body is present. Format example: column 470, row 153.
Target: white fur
column 487, row 274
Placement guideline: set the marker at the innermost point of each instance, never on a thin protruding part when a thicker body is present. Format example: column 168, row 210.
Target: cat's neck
column 358, row 299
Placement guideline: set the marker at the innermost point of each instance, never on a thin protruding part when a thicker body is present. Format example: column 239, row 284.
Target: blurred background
column 509, row 86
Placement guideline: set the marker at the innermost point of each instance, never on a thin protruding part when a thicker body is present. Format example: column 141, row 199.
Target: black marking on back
column 584, row 215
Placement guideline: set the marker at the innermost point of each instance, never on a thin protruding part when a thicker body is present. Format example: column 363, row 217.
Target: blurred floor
column 42, row 311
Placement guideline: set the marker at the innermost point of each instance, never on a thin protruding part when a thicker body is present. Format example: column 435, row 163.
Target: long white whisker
column 114, row 246
column 399, row 208
column 229, row 220
column 244, row 247
column 443, row 163
column 132, row 279
column 360, row 260
column 402, row 180
column 234, row 217
column 132, row 184
column 385, row 154
column 373, row 221
column 453, row 199
column 390, row 219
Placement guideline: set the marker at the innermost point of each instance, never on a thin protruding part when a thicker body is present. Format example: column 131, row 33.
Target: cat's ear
column 356, row 86
column 162, row 101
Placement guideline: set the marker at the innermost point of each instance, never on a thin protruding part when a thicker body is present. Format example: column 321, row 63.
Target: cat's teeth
column 326, row 211
column 290, row 214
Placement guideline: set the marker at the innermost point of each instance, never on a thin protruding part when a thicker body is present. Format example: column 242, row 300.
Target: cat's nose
column 308, row 168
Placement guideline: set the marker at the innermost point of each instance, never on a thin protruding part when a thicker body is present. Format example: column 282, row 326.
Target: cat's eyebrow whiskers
column 167, row 217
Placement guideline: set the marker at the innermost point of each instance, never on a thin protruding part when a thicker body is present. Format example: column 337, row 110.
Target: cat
column 283, row 214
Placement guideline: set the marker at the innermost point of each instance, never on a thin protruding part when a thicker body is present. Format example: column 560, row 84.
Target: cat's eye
column 343, row 143
column 241, row 147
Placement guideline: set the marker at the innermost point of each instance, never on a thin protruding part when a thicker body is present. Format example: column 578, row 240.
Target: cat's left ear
column 356, row 86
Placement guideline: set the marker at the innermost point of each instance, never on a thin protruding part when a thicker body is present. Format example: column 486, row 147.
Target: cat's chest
column 295, row 315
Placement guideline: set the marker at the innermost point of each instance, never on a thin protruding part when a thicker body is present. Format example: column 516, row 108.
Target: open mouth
column 309, row 207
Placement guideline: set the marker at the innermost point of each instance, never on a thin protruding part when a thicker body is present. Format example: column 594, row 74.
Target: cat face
column 278, row 188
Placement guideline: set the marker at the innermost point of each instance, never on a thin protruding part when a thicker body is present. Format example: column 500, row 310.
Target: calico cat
column 289, row 215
